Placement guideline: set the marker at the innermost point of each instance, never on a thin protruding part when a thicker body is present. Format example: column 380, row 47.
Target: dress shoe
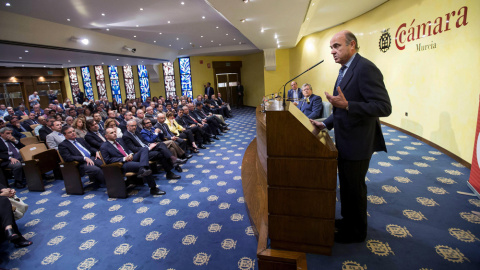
column 19, row 185
column 216, row 138
column 180, row 161
column 224, row 131
column 157, row 191
column 187, row 156
column 201, row 146
column 178, row 168
column 171, row 175
column 11, row 235
column 22, row 242
column 142, row 172
column 194, row 150
column 348, row 238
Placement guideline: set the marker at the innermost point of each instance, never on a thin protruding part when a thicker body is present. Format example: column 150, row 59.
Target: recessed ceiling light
column 168, row 22
column 136, row 25
column 278, row 46
column 177, row 38
column 69, row 61
column 68, row 19
column 103, row 14
column 23, row 65
column 240, row 42
column 134, row 36
column 203, row 17
column 245, row 1
column 118, row 59
column 234, row 39
column 108, row 29
column 102, row 63
column 243, row 20
column 19, row 57
column 181, row 48
column 190, row 43
column 220, row 44
column 159, row 33
column 141, row 9
column 200, row 46
column 262, row 30
column 7, row 4
column 183, row 3
column 226, row 34
column 201, row 36
column 26, row 51
column 211, row 40
column 44, row 66
column 216, row 27
column 276, row 36
column 154, row 41
column 169, row 45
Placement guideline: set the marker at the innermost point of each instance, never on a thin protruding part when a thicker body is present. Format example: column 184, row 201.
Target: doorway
column 11, row 94
column 227, row 86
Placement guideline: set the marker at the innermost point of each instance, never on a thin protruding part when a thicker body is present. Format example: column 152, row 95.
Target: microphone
column 284, row 98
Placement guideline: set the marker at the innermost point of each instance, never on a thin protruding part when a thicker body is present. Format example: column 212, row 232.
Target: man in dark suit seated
column 295, row 94
column 217, row 104
column 211, row 126
column 192, row 122
column 9, row 115
column 196, row 131
column 10, row 155
column 311, row 105
column 165, row 131
column 115, row 150
column 123, row 124
column 30, row 121
column 156, row 151
column 211, row 120
column 7, row 220
column 45, row 130
column 17, row 128
column 98, row 118
column 93, row 137
column 77, row 149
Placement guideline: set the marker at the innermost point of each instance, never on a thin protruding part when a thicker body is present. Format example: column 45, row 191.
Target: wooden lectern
column 289, row 178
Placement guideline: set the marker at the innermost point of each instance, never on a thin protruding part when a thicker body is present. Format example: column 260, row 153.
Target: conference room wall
column 253, row 79
column 436, row 87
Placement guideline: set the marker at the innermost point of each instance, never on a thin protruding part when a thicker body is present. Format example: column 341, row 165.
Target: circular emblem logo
column 229, row 244
column 193, row 204
column 350, row 265
column 203, row 214
column 376, row 199
column 446, row 180
column 246, row 263
column 426, row 201
column 390, row 189
column 470, row 217
column 189, row 240
column 88, row 229
column 119, row 232
column 398, row 231
column 87, row 244
column 122, row 249
column 201, row 258
column 414, row 215
column 437, row 190
column 465, row 236
column 450, row 254
column 160, row 253
column 152, row 236
column 179, row 224
column 50, row 259
column 214, row 228
column 147, row 222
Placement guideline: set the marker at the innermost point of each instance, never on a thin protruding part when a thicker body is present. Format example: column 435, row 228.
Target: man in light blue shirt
column 34, row 99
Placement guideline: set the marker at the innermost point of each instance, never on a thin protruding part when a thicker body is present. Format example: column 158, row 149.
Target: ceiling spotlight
column 68, row 19
column 177, row 38
column 262, row 30
column 245, row 1
column 216, row 27
column 159, row 33
column 203, row 17
column 26, row 51
column 134, row 36
column 154, row 41
column 108, row 29
column 234, row 39
column 103, row 14
column 226, row 34
column 132, row 50
column 7, row 4
column 181, row 48
column 118, row 59
column 102, row 63
column 183, row 3
column 19, row 57
column 276, row 36
column 168, row 22
column 136, row 25
column 278, row 46
column 243, row 20
column 69, row 61
column 211, row 40
column 141, row 9
column 84, row 41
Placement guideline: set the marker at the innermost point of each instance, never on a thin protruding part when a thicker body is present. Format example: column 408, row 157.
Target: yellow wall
column 436, row 86
column 253, row 79
column 274, row 80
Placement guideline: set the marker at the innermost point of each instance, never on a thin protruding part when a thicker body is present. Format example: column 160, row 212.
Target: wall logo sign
column 385, row 41
column 415, row 31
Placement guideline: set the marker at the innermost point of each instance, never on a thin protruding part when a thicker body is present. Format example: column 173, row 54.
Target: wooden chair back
column 34, row 126
column 30, row 150
column 24, row 117
column 29, row 140
column 27, row 133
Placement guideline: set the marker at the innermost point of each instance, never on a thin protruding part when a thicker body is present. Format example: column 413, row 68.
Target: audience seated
column 7, row 220
column 115, row 150
column 56, row 137
column 10, row 155
column 94, row 137
column 46, row 129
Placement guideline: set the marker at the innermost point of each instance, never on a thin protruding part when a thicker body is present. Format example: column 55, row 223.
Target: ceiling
column 191, row 27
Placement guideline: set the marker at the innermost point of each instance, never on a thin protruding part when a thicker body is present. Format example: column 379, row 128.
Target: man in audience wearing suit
column 123, row 124
column 151, row 135
column 359, row 99
column 10, row 154
column 98, row 118
column 77, row 149
column 30, row 121
column 115, row 150
column 167, row 134
column 240, row 93
column 192, row 122
column 17, row 128
column 209, row 91
column 56, row 137
column 94, row 137
column 311, row 105
column 196, row 131
column 211, row 120
column 46, row 129
column 21, row 111
column 10, row 113
column 212, row 126
column 294, row 94
column 156, row 151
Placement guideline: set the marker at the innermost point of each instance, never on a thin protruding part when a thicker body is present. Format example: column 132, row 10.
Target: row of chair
column 38, row 160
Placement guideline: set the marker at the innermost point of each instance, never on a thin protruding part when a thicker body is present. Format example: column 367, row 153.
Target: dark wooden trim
column 432, row 144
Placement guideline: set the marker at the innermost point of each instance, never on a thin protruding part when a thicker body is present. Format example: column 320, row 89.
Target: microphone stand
column 284, row 99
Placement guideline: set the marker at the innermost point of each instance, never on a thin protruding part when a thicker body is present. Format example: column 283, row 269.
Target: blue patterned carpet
column 201, row 223
column 417, row 220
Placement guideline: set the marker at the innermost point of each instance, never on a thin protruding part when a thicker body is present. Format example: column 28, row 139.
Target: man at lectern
column 359, row 99
column 311, row 105
column 295, row 93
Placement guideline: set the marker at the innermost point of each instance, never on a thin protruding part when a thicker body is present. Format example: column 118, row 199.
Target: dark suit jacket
column 4, row 151
column 111, row 154
column 93, row 140
column 290, row 94
column 357, row 131
column 209, row 91
column 240, row 90
column 20, row 113
column 70, row 153
column 43, row 132
column 314, row 109
column 26, row 124
column 132, row 143
column 182, row 122
column 187, row 120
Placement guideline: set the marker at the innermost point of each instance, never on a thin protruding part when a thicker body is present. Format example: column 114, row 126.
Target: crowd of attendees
column 134, row 133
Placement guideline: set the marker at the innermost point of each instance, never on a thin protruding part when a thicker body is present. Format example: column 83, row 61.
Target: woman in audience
column 110, row 123
column 133, row 109
column 189, row 100
column 114, row 105
column 59, row 117
column 80, row 127
column 180, row 131
column 7, row 220
column 155, row 99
